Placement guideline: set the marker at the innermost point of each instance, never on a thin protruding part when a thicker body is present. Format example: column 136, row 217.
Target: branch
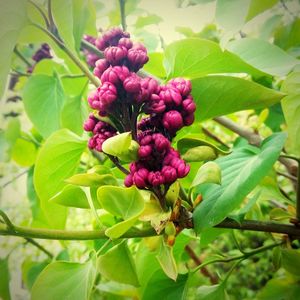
column 238, row 257
column 75, row 59
column 53, row 234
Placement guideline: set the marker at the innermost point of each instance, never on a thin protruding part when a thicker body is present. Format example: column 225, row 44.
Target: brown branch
column 213, row 136
column 213, row 279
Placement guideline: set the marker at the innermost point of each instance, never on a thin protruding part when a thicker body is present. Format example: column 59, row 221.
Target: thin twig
column 291, row 177
column 213, row 136
column 41, row 12
column 13, row 179
column 123, row 14
column 22, row 57
column 39, row 246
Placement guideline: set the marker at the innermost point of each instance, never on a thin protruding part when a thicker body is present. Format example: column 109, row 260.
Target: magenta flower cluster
column 124, row 96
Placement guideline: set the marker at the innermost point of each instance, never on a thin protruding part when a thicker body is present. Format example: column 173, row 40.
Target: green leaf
column 39, row 219
column 263, row 56
column 291, row 110
column 221, row 95
column 92, row 180
column 155, row 65
column 258, row 6
column 62, row 12
column 12, row 131
column 73, row 114
column 72, row 196
column 211, row 292
column 193, row 58
column 242, row 170
column 31, row 270
column 12, row 20
column 227, row 16
column 280, row 289
column 195, row 140
column 199, row 153
column 210, row 172
column 147, row 20
column 159, row 284
column 126, row 203
column 43, row 99
column 57, row 160
column 167, row 261
column 24, row 153
column 117, row 264
column 291, row 261
column 5, row 278
column 121, row 146
column 64, row 279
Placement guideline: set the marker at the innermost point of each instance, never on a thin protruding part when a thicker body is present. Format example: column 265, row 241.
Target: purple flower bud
column 136, row 58
column 132, row 84
column 128, row 180
column 140, row 178
column 172, row 121
column 90, row 123
column 183, row 170
column 146, row 140
column 189, row 105
column 161, row 142
column 155, row 178
column 183, row 86
column 89, row 39
column 189, row 119
column 110, row 75
column 107, row 94
column 100, row 66
column 144, row 151
column 125, row 42
column 139, row 46
column 169, row 174
column 115, row 54
column 170, row 96
column 150, row 84
column 93, row 99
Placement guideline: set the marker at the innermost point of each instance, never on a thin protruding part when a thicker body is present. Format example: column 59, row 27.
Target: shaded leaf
column 117, row 264
column 5, row 278
column 242, row 170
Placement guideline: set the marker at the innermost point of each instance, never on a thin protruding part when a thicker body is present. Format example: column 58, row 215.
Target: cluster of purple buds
column 101, row 132
column 158, row 163
column 91, row 57
column 122, row 94
column 42, row 53
column 119, row 50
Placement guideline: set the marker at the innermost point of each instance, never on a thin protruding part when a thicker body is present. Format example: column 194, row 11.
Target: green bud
column 170, row 229
column 199, row 153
